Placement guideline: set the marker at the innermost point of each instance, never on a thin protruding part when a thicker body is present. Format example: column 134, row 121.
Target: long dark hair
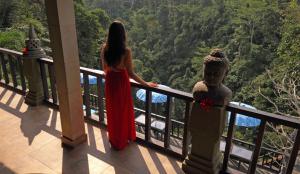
column 115, row 45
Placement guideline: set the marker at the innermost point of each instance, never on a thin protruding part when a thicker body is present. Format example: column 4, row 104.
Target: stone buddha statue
column 206, row 124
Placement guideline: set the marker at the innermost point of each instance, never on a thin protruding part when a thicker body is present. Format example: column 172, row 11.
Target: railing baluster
column 0, row 70
column 168, row 122
column 229, row 137
column 52, row 83
column 12, row 70
column 44, row 81
column 100, row 87
column 22, row 78
column 86, row 93
column 4, row 69
column 272, row 160
column 148, row 116
column 294, row 154
column 186, row 137
column 94, row 104
column 92, row 101
column 172, row 128
column 176, row 129
column 258, row 143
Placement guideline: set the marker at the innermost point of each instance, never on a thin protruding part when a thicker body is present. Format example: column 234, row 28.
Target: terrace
column 31, row 143
column 31, row 136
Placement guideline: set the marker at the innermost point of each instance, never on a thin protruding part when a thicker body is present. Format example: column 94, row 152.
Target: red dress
column 119, row 108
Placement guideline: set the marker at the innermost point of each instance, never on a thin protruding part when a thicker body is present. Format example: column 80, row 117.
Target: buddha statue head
column 215, row 68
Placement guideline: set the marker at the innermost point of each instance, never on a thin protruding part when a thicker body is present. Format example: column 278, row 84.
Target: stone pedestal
column 206, row 128
column 35, row 95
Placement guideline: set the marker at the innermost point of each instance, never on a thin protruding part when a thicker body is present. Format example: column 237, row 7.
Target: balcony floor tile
column 30, row 143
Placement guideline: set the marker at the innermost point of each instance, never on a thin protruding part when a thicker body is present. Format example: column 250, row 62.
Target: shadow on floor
column 5, row 170
column 37, row 116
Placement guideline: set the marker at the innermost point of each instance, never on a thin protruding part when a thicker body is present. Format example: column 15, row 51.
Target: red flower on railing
column 25, row 51
column 206, row 104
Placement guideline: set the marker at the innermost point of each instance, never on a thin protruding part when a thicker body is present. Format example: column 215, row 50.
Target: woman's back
column 124, row 60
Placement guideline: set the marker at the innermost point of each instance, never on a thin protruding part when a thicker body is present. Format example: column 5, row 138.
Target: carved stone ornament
column 33, row 48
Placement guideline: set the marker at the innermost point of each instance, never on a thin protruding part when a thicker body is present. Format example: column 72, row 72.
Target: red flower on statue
column 25, row 51
column 206, row 104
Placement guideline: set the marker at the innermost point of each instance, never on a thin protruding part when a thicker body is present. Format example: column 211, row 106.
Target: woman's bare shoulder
column 103, row 47
column 127, row 54
column 127, row 50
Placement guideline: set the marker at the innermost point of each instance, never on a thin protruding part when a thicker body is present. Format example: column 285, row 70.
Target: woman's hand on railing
column 152, row 84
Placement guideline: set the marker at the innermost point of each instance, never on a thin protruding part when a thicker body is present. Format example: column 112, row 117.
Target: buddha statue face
column 214, row 75
column 215, row 68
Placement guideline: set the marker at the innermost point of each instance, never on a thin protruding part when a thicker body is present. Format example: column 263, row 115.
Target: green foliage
column 197, row 65
column 17, row 12
column 103, row 18
column 10, row 13
column 88, row 34
column 90, row 26
column 12, row 39
column 16, row 16
column 286, row 65
column 169, row 39
column 277, row 140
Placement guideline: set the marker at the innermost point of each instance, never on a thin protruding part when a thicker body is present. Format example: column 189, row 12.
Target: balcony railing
column 12, row 77
column 173, row 127
column 11, row 70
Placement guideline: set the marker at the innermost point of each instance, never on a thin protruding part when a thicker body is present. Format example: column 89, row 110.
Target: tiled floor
column 30, row 143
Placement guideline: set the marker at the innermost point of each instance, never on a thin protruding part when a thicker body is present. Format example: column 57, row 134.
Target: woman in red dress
column 117, row 65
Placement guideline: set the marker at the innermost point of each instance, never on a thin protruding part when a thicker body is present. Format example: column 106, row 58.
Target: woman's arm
column 132, row 74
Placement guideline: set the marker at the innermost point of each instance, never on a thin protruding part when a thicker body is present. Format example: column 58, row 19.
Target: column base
column 197, row 165
column 73, row 143
column 34, row 98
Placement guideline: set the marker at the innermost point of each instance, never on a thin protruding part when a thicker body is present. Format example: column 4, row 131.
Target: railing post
column 44, row 80
column 186, row 135
column 294, row 154
column 258, row 144
column 4, row 69
column 100, row 88
column 12, row 70
column 31, row 54
column 168, row 123
column 22, row 78
column 228, row 141
column 87, row 99
column 52, row 83
column 148, row 116
column 0, row 67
